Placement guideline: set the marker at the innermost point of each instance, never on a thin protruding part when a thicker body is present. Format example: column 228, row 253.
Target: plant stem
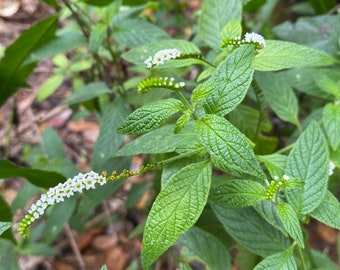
column 303, row 265
column 187, row 104
column 285, row 149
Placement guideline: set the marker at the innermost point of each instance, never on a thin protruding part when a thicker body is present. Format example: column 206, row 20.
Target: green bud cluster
column 159, row 82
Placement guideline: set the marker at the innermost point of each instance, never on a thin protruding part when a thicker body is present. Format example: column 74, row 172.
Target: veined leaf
column 279, row 261
column 215, row 15
column 12, row 73
column 328, row 211
column 238, row 193
column 175, row 210
column 150, row 116
column 279, row 95
column 140, row 54
column 97, row 36
column 280, row 55
column 331, row 123
column 213, row 255
column 308, row 162
column 4, row 226
column 290, row 222
column 228, row 85
column 275, row 164
column 250, row 230
column 161, row 140
column 232, row 29
column 228, row 147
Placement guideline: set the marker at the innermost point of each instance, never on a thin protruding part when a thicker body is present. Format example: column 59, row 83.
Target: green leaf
column 52, row 144
column 140, row 54
column 279, row 261
column 328, row 211
column 308, row 162
column 8, row 258
column 97, row 36
column 162, row 140
column 63, row 41
column 232, row 29
column 280, row 55
column 228, row 85
column 184, row 266
column 108, row 140
column 250, row 230
column 214, row 16
column 37, row 177
column 150, row 116
column 103, row 267
column 291, row 222
column 228, row 147
column 199, row 245
column 274, row 86
column 49, row 86
column 25, row 194
column 12, row 73
column 128, row 33
column 238, row 193
column 275, row 164
column 39, row 249
column 87, row 92
column 4, row 226
column 322, row 261
column 175, row 210
column 331, row 123
column 5, row 216
column 328, row 85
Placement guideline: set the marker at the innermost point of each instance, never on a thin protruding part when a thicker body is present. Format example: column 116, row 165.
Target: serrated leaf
column 274, row 86
column 291, row 222
column 328, row 211
column 150, row 116
column 108, row 140
column 12, row 71
column 162, row 140
column 280, row 55
column 140, row 54
column 275, row 164
column 228, row 147
column 195, row 247
column 128, row 33
column 175, row 210
column 37, row 177
column 238, row 193
column 308, row 162
column 215, row 15
column 87, row 92
column 4, row 226
column 228, row 85
column 331, row 123
column 279, row 261
column 250, row 230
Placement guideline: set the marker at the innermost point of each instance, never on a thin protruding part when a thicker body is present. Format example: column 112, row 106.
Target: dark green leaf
column 37, row 177
column 4, row 226
column 228, row 147
column 176, row 209
column 238, row 193
column 52, row 143
column 12, row 73
column 308, row 162
column 331, row 123
column 97, row 36
column 8, row 258
column 279, row 261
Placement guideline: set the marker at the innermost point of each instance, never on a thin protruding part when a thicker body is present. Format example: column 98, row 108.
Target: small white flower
column 79, row 186
column 102, row 180
column 256, row 38
column 148, row 62
column 331, row 167
column 89, row 183
column 182, row 84
column 35, row 215
column 161, row 56
column 276, row 177
column 286, row 177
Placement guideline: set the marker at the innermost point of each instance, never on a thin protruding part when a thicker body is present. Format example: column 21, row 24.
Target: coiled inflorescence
column 161, row 56
column 275, row 186
column 159, row 82
column 249, row 38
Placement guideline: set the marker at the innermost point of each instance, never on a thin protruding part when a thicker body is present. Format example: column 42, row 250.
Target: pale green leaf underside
column 238, row 193
column 228, row 147
column 278, row 261
column 331, row 123
column 250, row 230
column 290, row 222
column 328, row 211
column 215, row 15
column 175, row 210
column 213, row 255
column 228, row 85
column 150, row 116
column 140, row 54
column 161, row 140
column 308, row 162
column 4, row 226
column 275, row 164
column 279, row 95
column 280, row 55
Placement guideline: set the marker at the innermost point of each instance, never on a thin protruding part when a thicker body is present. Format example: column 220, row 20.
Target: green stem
column 187, row 104
column 285, row 149
column 207, row 62
column 303, row 265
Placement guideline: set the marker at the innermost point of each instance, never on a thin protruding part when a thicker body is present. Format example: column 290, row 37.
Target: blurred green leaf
column 52, row 143
column 8, row 258
column 12, row 73
column 331, row 123
column 49, row 87
column 37, row 177
column 4, row 226
column 97, row 36
column 39, row 249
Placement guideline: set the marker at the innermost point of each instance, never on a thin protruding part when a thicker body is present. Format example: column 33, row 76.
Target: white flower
column 148, row 62
column 286, row 177
column 102, row 180
column 255, row 38
column 331, row 167
column 89, row 182
column 161, row 56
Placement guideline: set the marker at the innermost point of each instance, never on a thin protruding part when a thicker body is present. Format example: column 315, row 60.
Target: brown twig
column 74, row 247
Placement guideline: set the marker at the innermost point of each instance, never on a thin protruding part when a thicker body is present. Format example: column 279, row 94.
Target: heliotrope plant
column 262, row 200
